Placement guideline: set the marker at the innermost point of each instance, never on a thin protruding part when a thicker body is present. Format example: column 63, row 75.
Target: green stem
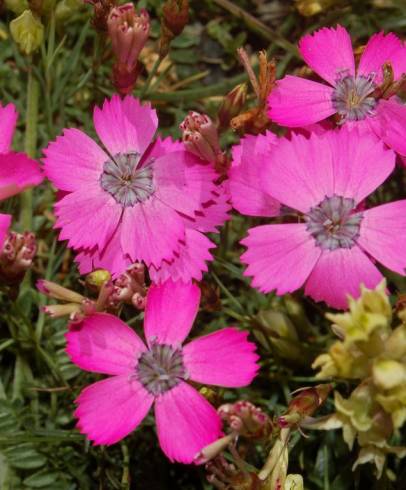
column 30, row 145
column 152, row 73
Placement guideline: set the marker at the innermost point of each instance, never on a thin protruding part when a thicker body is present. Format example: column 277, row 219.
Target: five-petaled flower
column 142, row 375
column 334, row 246
column 353, row 92
column 134, row 199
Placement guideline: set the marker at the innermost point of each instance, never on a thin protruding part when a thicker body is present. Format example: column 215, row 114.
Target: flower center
column 333, row 224
column 352, row 97
column 161, row 368
column 127, row 183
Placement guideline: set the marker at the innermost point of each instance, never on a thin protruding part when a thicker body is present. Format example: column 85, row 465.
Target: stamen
column 352, row 97
column 127, row 183
column 333, row 223
column 161, row 368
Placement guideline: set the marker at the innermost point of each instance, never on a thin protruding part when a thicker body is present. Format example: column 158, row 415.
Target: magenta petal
column 328, row 52
column 186, row 423
column 189, row 261
column 125, row 125
column 17, row 173
column 5, row 221
column 8, row 121
column 102, row 343
column 299, row 172
column 272, row 250
column 392, row 116
column 361, row 162
column 297, row 102
column 214, row 213
column 245, row 176
column 383, row 234
column 74, row 161
column 88, row 217
column 112, row 408
column 182, row 182
column 223, row 358
column 111, row 257
column 170, row 312
column 380, row 49
column 339, row 273
column 151, row 232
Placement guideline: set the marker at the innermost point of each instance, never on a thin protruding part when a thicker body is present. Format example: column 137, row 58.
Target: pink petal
column 186, row 423
column 380, row 49
column 17, row 173
column 182, row 182
column 161, row 147
column 112, row 408
column 189, row 261
column 111, row 257
column 299, row 172
column 102, row 343
column 328, row 52
column 392, row 116
column 74, row 161
column 279, row 257
column 383, row 234
column 151, row 232
column 125, row 125
column 340, row 273
column 87, row 217
column 8, row 121
column 361, row 162
column 5, row 221
column 223, row 358
column 245, row 176
column 297, row 102
column 214, row 213
column 170, row 312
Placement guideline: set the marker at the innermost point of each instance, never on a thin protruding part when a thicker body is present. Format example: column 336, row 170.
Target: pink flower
column 129, row 202
column 142, row 375
column 352, row 92
column 333, row 246
column 17, row 171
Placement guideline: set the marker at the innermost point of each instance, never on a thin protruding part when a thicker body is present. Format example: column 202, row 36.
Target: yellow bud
column 294, row 482
column 27, row 31
column 395, row 346
column 97, row 278
column 388, row 374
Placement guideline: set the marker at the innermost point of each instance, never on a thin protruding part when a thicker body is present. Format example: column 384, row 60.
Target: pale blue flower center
column 125, row 181
column 352, row 97
column 161, row 368
column 333, row 223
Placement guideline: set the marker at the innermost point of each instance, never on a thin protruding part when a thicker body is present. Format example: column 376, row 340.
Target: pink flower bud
column 17, row 255
column 128, row 32
column 200, row 136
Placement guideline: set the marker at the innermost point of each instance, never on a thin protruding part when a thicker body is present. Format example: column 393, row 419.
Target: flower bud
column 308, row 8
column 27, row 31
column 128, row 32
column 95, row 279
column 304, row 404
column 175, row 15
column 232, row 105
column 199, row 135
column 16, row 256
column 246, row 419
column 130, row 287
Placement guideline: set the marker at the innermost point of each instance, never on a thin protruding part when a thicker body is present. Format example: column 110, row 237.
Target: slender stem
column 151, row 75
column 30, row 145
